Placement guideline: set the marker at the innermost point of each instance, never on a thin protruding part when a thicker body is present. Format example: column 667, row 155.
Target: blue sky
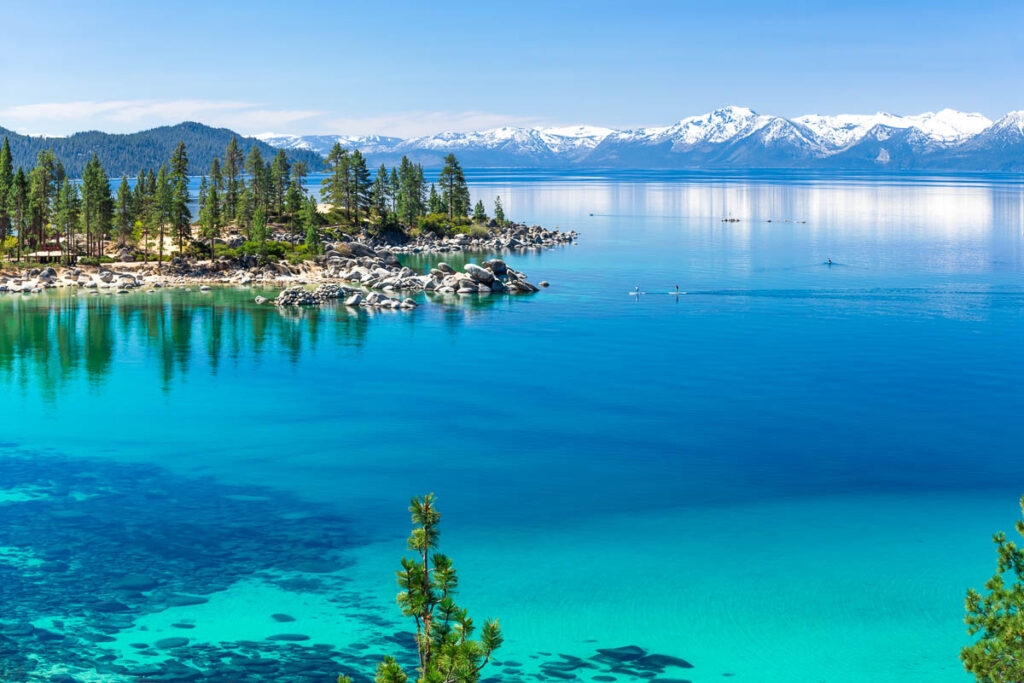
column 410, row 68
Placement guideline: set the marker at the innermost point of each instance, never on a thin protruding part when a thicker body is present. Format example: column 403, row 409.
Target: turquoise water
column 790, row 472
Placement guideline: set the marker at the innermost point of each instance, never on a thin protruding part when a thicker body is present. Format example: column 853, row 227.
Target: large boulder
column 481, row 275
column 360, row 249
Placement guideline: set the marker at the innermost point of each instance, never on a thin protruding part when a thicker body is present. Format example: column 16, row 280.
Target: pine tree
column 279, row 173
column 145, row 208
column 67, row 216
column 232, row 169
column 336, row 188
column 256, row 170
column 299, row 173
column 244, row 210
column 18, row 203
column 499, row 211
column 395, row 187
column 410, row 204
column 311, row 220
column 97, row 205
column 180, row 215
column 6, row 180
column 296, row 195
column 139, row 194
column 360, row 185
column 42, row 189
column 204, row 193
column 125, row 212
column 479, row 212
column 258, row 231
column 162, row 199
column 293, row 203
column 380, row 192
column 997, row 654
column 428, row 583
column 210, row 219
column 454, row 191
column 434, row 203
column 217, row 181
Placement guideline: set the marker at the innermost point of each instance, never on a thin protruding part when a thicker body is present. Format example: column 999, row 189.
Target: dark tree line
column 396, row 197
column 45, row 210
column 127, row 154
column 248, row 191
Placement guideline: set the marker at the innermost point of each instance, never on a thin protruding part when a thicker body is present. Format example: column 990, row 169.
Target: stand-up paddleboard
column 676, row 293
column 636, row 293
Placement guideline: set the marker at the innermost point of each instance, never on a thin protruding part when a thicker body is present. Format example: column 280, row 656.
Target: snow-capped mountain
column 322, row 144
column 944, row 126
column 731, row 137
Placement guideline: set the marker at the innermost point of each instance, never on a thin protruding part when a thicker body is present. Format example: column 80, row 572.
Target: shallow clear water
column 789, row 472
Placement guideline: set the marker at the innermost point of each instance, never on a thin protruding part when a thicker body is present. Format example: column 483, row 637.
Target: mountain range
column 731, row 137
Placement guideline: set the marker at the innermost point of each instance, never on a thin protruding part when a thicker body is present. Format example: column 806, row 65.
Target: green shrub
column 473, row 230
column 298, row 255
column 197, row 250
column 95, row 261
column 436, row 223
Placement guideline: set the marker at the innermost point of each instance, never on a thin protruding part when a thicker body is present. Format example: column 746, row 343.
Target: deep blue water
column 789, row 472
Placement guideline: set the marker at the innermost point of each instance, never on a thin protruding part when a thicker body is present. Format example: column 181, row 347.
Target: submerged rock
column 170, row 643
column 623, row 654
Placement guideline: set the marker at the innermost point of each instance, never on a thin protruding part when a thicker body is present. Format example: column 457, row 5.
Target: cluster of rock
column 36, row 280
column 382, row 271
column 508, row 237
column 300, row 296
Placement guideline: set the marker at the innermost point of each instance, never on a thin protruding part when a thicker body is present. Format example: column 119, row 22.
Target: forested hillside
column 127, row 154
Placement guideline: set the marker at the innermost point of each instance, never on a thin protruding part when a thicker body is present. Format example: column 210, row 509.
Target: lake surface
column 789, row 472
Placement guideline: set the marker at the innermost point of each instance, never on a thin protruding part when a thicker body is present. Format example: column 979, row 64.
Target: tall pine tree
column 454, row 192
column 336, row 188
column 360, row 182
column 180, row 214
column 125, row 221
column 18, row 203
column 232, row 170
column 6, row 180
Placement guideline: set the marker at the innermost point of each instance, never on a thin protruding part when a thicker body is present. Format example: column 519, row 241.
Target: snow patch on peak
column 1011, row 122
column 717, row 126
column 947, row 125
column 573, row 138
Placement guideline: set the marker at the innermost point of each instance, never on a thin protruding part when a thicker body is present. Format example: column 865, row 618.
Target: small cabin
column 48, row 253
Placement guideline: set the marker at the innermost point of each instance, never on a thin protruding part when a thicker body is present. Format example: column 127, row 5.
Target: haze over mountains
column 731, row 137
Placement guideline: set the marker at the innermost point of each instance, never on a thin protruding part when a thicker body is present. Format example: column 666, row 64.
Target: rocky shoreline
column 361, row 270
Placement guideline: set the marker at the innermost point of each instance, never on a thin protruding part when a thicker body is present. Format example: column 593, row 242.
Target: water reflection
column 51, row 339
